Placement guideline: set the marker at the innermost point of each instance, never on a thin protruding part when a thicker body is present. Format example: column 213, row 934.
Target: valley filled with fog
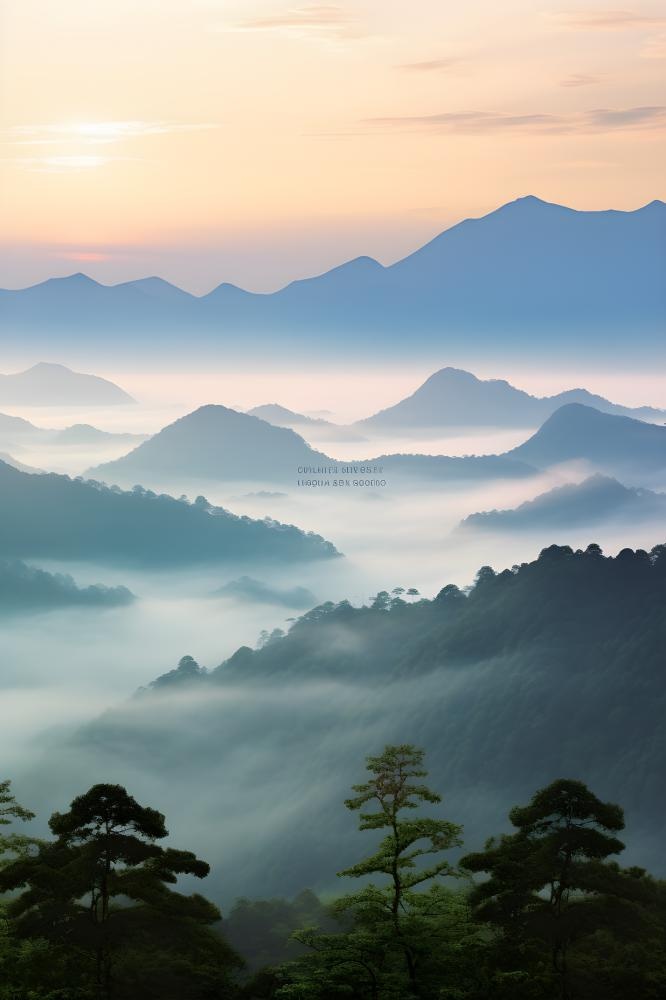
column 65, row 666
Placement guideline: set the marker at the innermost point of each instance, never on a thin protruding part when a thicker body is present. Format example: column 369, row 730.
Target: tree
column 100, row 894
column 10, row 810
column 393, row 924
column 549, row 881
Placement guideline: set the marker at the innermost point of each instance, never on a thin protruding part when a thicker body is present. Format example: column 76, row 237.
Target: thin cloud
column 430, row 65
column 97, row 132
column 589, row 20
column 579, row 80
column 599, row 120
column 319, row 19
column 609, row 119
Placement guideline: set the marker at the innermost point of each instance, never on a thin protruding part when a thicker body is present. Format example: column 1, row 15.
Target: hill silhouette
column 216, row 443
column 316, row 428
column 26, row 588
column 594, row 501
column 80, row 434
column 280, row 416
column 452, row 397
column 614, row 444
column 530, row 266
column 53, row 516
column 15, row 432
column 48, row 384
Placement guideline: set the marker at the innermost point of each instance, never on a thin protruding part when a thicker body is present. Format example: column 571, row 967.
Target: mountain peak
column 155, row 286
column 530, row 203
column 449, row 372
column 577, row 413
column 48, row 366
column 78, row 278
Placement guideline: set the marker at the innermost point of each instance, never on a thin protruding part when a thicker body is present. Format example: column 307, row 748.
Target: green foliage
column 10, row 808
column 12, row 845
column 391, row 790
column 100, row 897
column 93, row 915
column 551, row 893
column 387, row 950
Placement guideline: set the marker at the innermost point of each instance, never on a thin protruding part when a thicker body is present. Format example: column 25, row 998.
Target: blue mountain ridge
column 526, row 274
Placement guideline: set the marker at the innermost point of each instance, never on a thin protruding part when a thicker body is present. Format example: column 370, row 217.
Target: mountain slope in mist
column 26, row 588
column 595, row 501
column 553, row 668
column 613, row 444
column 48, row 384
column 61, row 518
column 15, row 464
column 17, row 433
column 586, row 278
column 216, row 443
column 315, row 428
column 454, row 398
column 280, row 416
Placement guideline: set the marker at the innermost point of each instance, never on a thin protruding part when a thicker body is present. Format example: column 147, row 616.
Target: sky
column 259, row 141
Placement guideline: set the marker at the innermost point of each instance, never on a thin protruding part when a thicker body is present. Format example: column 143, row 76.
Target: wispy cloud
column 609, row 119
column 580, row 80
column 598, row 120
column 77, row 145
column 430, row 65
column 587, row 20
column 97, row 132
column 327, row 20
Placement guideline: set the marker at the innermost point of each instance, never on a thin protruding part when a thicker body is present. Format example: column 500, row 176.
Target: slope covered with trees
column 27, row 588
column 552, row 667
column 61, row 518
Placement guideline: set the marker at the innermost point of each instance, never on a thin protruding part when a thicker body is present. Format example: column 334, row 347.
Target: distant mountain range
column 612, row 444
column 48, row 384
column 316, row 427
column 280, row 416
column 29, row 589
column 17, row 434
column 455, row 398
column 596, row 500
column 216, row 443
column 530, row 274
column 55, row 517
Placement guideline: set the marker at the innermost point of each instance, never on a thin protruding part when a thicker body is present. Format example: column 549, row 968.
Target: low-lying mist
column 224, row 797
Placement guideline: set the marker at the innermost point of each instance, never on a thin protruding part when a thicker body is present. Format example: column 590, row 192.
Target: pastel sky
column 257, row 141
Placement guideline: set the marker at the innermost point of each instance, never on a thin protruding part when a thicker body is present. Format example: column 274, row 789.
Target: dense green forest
column 545, row 912
column 552, row 667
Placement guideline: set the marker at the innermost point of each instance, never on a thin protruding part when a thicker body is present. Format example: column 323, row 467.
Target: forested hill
column 53, row 516
column 552, row 669
column 562, row 600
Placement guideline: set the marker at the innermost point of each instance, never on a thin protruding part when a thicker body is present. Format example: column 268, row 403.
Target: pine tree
column 101, row 895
